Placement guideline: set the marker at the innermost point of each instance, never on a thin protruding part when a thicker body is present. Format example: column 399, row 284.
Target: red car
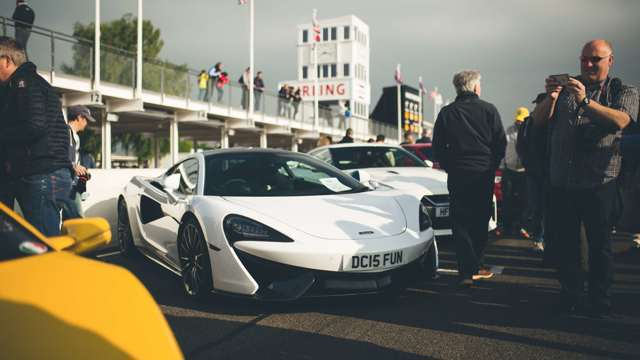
column 425, row 152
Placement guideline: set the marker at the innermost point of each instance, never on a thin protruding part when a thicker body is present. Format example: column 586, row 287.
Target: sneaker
column 538, row 246
column 524, row 233
column 483, row 274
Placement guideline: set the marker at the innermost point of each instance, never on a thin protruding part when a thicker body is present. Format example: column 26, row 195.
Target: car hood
column 370, row 214
column 424, row 181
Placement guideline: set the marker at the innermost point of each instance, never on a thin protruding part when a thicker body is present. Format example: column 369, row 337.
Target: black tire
column 194, row 260
column 430, row 264
column 125, row 238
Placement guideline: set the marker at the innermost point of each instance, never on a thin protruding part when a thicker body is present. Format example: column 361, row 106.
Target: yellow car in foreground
column 57, row 305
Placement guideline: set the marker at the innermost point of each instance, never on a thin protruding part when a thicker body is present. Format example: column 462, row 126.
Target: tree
column 118, row 59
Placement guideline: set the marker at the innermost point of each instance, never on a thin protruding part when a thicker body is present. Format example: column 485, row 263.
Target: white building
column 342, row 68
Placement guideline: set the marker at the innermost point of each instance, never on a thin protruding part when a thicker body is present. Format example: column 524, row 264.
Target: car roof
column 418, row 145
column 247, row 150
column 350, row 145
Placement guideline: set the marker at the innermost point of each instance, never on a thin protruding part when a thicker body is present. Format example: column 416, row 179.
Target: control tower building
column 342, row 69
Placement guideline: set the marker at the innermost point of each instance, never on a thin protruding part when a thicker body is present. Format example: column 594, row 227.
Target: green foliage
column 118, row 61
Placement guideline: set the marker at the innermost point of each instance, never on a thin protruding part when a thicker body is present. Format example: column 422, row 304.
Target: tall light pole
column 251, row 60
column 316, row 90
column 96, row 50
column 139, row 54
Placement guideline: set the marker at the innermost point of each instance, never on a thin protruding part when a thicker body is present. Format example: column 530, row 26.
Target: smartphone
column 562, row 79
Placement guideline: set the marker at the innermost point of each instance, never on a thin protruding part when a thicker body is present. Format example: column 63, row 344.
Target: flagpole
column 251, row 60
column 316, row 106
column 398, row 85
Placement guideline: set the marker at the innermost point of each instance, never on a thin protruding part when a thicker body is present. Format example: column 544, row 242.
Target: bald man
column 584, row 116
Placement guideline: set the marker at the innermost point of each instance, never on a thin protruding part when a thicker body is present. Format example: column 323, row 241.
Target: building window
column 325, row 70
column 325, row 34
column 345, row 70
column 318, row 72
column 305, row 36
column 346, row 32
column 334, row 70
column 305, row 72
column 334, row 33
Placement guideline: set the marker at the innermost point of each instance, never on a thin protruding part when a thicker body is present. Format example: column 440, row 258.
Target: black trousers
column 594, row 208
column 514, row 203
column 470, row 195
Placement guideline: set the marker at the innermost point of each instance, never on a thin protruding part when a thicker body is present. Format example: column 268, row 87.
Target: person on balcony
column 258, row 89
column 23, row 16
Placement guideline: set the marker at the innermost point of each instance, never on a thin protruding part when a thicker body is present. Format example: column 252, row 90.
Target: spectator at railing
column 203, row 79
column 244, row 80
column 223, row 80
column 295, row 101
column 24, row 16
column 258, row 89
column 214, row 76
column 290, row 93
column 283, row 95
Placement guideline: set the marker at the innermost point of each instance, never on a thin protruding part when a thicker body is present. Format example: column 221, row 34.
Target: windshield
column 272, row 174
column 346, row 158
column 16, row 241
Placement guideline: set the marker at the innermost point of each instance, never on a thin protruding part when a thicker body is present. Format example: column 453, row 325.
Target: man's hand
column 553, row 87
column 80, row 170
column 577, row 89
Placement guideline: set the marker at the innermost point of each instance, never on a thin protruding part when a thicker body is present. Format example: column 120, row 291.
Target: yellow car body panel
column 58, row 305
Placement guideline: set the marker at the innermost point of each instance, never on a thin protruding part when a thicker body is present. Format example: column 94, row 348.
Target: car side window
column 323, row 155
column 188, row 171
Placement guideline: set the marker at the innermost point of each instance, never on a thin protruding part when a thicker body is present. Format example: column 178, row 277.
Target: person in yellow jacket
column 203, row 80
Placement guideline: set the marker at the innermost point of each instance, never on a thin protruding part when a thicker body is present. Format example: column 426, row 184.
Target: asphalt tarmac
column 507, row 317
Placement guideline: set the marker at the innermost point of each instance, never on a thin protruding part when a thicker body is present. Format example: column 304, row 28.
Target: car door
column 162, row 205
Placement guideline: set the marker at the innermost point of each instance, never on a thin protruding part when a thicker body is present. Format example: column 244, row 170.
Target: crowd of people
column 572, row 157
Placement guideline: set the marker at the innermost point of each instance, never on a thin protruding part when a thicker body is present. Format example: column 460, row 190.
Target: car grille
column 284, row 282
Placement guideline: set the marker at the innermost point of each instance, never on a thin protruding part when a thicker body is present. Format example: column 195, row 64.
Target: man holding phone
column 585, row 116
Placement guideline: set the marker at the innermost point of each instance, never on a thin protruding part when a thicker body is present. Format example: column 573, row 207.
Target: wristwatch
column 584, row 102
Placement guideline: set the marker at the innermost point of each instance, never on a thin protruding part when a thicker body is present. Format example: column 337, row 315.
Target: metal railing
column 65, row 54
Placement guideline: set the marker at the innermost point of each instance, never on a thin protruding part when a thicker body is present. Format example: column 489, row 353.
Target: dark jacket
column 33, row 130
column 346, row 140
column 25, row 15
column 468, row 136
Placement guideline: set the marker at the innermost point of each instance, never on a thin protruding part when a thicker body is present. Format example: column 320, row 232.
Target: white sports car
column 394, row 166
column 274, row 224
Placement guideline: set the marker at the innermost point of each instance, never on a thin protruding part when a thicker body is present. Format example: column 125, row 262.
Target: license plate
column 442, row 211
column 374, row 261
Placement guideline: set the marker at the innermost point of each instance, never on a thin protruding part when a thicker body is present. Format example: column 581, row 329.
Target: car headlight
column 424, row 218
column 238, row 228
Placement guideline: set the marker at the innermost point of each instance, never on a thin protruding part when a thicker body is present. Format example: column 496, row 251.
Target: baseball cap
column 74, row 111
column 522, row 113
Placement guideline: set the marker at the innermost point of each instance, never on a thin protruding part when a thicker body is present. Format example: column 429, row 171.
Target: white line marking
column 108, row 254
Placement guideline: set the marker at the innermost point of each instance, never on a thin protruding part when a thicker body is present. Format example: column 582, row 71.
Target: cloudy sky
column 514, row 43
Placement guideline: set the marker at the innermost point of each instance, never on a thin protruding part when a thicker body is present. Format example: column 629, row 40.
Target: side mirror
column 82, row 235
column 172, row 182
column 361, row 175
column 429, row 163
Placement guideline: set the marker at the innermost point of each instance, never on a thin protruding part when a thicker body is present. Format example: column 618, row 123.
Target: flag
column 436, row 96
column 398, row 76
column 242, row 2
column 316, row 25
column 421, row 85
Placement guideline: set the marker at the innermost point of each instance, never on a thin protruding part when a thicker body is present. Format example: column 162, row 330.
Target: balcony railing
column 64, row 54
